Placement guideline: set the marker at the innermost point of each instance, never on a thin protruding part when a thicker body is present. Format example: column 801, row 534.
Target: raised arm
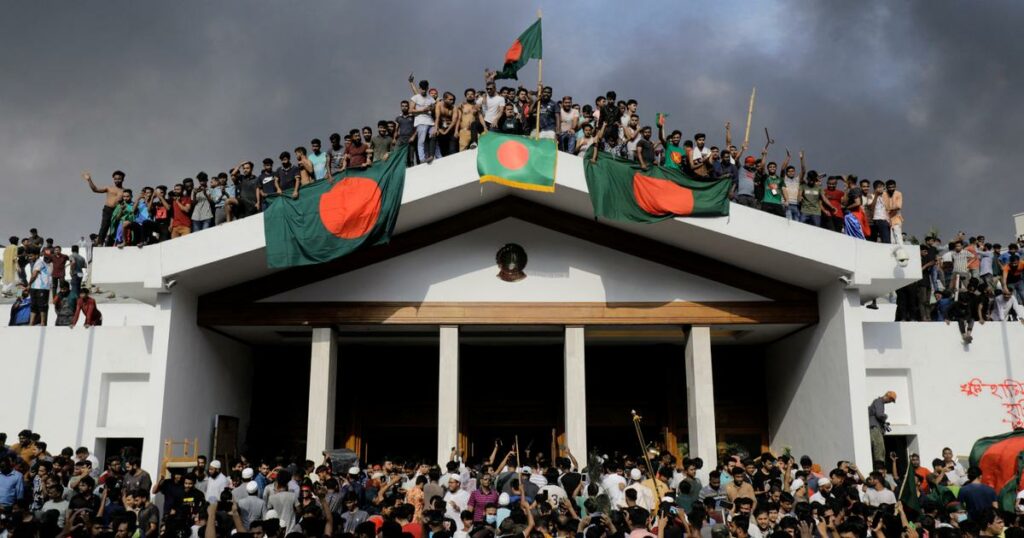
column 494, row 453
column 526, row 508
column 803, row 167
column 87, row 177
column 575, row 464
column 728, row 135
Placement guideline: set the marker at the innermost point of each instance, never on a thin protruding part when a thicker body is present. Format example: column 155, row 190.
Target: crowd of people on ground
column 44, row 494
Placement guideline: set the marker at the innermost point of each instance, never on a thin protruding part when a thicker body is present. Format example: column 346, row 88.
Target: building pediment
column 559, row 268
column 577, row 269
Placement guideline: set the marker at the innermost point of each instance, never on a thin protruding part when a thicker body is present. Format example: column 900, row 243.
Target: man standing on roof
column 878, row 422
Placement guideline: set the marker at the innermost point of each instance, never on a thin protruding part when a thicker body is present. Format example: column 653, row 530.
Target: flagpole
column 750, row 113
column 540, row 84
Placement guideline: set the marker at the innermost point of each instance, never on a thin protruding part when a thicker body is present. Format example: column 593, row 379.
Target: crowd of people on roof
column 436, row 125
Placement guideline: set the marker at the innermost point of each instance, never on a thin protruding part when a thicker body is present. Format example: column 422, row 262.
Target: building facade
column 745, row 331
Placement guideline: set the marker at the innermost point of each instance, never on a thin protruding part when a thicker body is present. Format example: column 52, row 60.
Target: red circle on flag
column 661, row 196
column 513, row 155
column 351, row 208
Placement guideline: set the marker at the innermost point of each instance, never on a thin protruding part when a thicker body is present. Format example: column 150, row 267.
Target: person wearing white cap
column 250, row 507
column 239, row 491
column 217, row 482
column 503, row 510
column 456, row 499
column 644, row 495
column 824, row 491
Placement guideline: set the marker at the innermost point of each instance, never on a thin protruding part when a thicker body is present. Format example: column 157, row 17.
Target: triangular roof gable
column 531, row 212
column 558, row 268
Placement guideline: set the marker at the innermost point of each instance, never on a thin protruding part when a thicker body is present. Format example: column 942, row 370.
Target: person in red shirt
column 59, row 262
column 181, row 208
column 832, row 212
column 86, row 306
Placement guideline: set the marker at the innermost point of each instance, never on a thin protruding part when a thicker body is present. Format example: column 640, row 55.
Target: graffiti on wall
column 1009, row 391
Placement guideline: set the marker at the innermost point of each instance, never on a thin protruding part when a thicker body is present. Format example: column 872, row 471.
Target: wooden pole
column 647, row 458
column 540, row 85
column 750, row 114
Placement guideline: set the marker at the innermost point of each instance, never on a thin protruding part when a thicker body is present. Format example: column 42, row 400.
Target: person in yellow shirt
column 10, row 273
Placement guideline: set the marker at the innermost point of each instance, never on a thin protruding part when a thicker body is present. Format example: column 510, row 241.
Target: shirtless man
column 113, row 193
column 305, row 170
column 443, row 113
column 468, row 113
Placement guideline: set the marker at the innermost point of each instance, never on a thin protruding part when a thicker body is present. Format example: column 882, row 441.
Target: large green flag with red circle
column 621, row 190
column 528, row 45
column 517, row 161
column 1001, row 461
column 333, row 217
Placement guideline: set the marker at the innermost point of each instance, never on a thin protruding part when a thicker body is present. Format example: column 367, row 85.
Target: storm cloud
column 927, row 93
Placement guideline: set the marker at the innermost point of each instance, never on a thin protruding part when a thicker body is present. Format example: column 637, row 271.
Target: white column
column 447, row 393
column 323, row 384
column 576, row 393
column 700, row 398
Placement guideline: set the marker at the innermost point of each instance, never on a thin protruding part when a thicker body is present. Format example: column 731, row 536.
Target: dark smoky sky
column 927, row 92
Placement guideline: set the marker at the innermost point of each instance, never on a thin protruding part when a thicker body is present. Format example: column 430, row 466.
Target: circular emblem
column 511, row 260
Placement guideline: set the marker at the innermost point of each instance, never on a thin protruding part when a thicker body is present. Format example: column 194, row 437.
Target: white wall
column 559, row 268
column 815, row 383
column 929, row 368
column 76, row 385
column 196, row 374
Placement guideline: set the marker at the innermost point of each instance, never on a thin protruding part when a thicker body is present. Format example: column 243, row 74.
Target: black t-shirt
column 646, row 148
column 509, row 125
column 246, row 187
column 172, row 494
column 405, row 128
column 114, row 484
column 570, row 481
column 287, row 177
column 191, row 502
column 79, row 501
column 265, row 181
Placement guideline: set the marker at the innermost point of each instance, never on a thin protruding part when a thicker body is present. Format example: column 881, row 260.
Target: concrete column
column 447, row 393
column 323, row 384
column 700, row 398
column 575, row 392
column 823, row 362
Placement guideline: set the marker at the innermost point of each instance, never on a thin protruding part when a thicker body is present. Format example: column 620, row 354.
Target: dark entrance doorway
column 505, row 391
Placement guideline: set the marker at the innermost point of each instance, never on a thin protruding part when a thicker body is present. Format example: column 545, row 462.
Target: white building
column 746, row 330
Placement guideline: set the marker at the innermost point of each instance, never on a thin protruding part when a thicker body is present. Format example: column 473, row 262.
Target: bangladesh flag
column 999, row 458
column 621, row 190
column 333, row 218
column 910, row 490
column 517, row 161
column 675, row 156
column 1008, row 493
column 527, row 46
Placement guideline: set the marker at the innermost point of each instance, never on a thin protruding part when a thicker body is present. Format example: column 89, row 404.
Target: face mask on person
column 491, row 519
column 961, row 517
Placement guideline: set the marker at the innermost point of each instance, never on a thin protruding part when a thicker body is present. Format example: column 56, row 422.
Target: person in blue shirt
column 12, row 484
column 977, row 497
column 944, row 301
